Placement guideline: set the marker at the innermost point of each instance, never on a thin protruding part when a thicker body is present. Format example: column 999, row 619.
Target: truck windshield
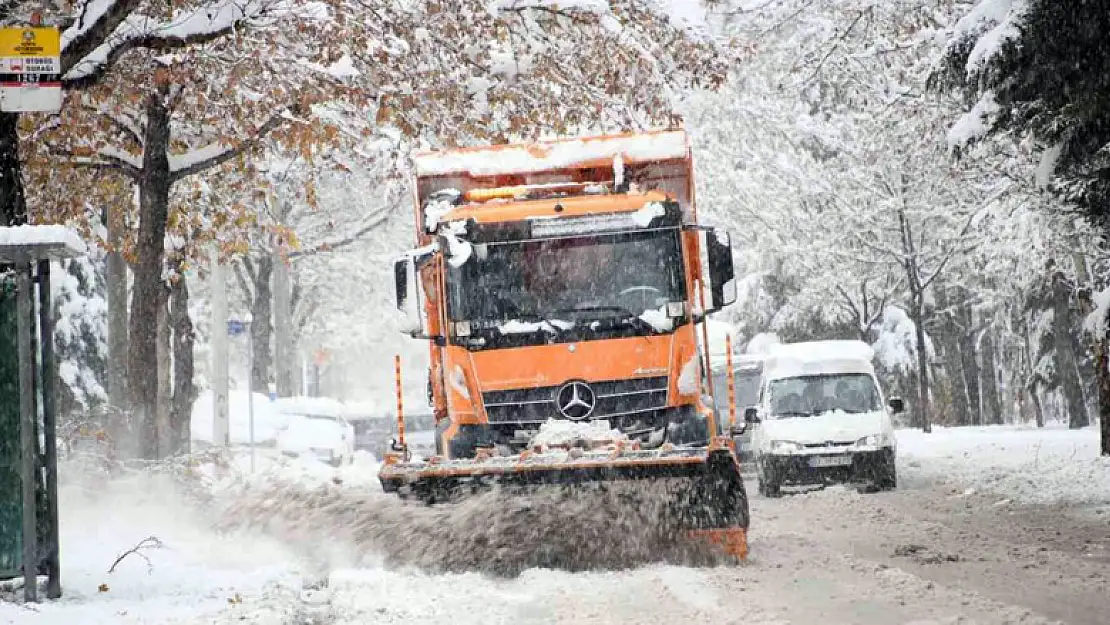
column 815, row 394
column 579, row 283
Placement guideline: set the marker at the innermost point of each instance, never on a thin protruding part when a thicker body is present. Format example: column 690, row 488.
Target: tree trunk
column 968, row 362
column 1103, row 367
column 162, row 420
column 184, row 393
column 947, row 336
column 154, row 195
column 1038, row 410
column 1064, row 355
column 117, row 309
column 12, row 202
column 922, row 363
column 992, row 403
column 262, row 328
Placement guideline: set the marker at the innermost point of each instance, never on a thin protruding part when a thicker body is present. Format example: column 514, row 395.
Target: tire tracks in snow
column 967, row 547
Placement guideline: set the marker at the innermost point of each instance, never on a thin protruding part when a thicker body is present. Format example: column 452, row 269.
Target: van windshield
column 815, row 394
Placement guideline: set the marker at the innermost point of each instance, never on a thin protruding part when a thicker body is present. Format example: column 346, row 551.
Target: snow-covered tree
column 80, row 332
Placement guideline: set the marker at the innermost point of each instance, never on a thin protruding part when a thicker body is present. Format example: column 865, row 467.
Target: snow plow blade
column 703, row 488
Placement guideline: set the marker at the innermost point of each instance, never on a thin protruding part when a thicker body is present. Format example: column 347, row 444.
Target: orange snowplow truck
column 562, row 285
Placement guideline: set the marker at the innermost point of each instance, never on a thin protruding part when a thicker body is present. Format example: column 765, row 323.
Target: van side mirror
column 897, row 405
column 751, row 415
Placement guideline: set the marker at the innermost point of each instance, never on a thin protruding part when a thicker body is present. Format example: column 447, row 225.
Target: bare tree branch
column 220, row 157
column 100, row 160
column 99, row 48
column 332, row 246
column 150, row 542
column 81, row 38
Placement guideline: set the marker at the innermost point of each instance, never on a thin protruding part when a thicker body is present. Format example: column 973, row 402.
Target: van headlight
column 875, row 440
column 785, row 447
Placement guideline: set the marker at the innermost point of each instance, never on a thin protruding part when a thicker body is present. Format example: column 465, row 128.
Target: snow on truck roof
column 817, row 357
column 649, row 146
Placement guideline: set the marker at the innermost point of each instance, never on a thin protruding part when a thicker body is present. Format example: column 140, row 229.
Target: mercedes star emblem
column 575, row 401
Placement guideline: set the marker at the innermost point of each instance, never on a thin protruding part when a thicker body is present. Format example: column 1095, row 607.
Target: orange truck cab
column 564, row 280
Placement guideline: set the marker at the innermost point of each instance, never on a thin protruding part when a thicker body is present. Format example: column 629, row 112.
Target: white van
column 821, row 418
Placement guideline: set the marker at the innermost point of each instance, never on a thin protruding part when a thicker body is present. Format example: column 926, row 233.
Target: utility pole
column 220, row 430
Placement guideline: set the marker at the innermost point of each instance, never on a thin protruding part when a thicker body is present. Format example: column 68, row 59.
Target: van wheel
column 768, row 483
column 886, row 474
column 887, row 479
column 768, row 489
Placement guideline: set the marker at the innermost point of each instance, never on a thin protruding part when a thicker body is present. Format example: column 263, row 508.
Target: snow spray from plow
column 569, row 506
column 491, row 532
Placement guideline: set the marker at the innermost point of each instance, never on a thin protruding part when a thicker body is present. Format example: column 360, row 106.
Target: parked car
column 329, row 438
column 821, row 418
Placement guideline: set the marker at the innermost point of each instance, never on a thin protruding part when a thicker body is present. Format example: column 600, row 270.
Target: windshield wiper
column 626, row 315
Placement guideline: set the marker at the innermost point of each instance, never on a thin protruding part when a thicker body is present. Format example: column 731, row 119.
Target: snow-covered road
column 951, row 545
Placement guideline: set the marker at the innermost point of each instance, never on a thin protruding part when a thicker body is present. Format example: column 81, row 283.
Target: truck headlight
column 785, row 447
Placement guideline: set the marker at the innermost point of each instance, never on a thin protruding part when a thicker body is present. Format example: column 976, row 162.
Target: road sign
column 235, row 327
column 321, row 356
column 30, row 69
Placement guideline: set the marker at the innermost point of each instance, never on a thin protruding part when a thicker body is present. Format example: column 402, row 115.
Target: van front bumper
column 829, row 468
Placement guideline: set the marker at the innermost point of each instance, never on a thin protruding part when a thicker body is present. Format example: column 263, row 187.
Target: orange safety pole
column 400, row 403
column 731, row 383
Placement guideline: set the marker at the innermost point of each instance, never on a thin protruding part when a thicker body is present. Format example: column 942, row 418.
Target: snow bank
column 522, row 159
column 1028, row 464
column 560, row 433
column 195, row 575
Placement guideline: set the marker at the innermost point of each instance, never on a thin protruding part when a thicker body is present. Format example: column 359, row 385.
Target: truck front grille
column 614, row 398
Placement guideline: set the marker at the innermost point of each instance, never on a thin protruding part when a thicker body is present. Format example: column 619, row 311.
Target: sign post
column 30, row 69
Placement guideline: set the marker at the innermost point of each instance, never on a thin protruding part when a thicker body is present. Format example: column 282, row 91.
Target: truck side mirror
column 751, row 415
column 897, row 405
column 406, row 281
column 720, row 271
